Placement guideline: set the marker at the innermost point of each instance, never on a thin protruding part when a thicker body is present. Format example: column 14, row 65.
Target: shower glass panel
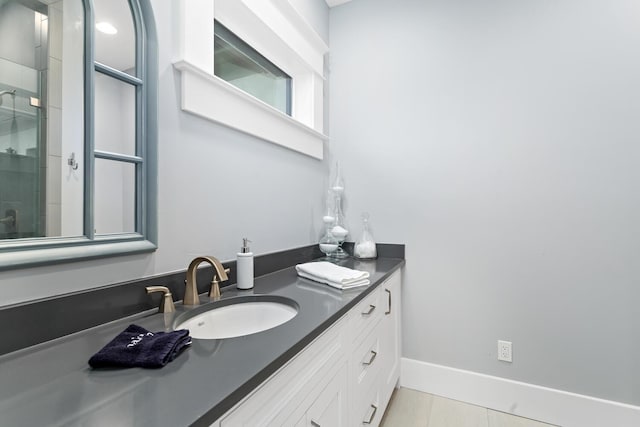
column 23, row 148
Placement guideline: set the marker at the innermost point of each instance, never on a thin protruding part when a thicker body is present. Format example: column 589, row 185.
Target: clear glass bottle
column 328, row 243
column 365, row 246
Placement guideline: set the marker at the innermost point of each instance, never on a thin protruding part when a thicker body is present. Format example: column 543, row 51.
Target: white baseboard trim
column 526, row 400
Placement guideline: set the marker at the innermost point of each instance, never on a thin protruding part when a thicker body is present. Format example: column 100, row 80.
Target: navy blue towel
column 137, row 347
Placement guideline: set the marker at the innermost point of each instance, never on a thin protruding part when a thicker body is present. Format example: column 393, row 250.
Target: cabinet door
column 366, row 365
column 330, row 407
column 284, row 398
column 390, row 336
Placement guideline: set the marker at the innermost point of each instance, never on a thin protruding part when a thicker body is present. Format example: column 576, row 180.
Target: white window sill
column 214, row 99
column 278, row 32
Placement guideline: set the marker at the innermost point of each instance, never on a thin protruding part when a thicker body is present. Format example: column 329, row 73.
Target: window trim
column 278, row 32
column 52, row 250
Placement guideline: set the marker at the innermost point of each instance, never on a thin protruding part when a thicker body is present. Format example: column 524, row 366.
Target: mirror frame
column 21, row 253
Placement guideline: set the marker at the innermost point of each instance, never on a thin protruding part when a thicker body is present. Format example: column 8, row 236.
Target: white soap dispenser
column 244, row 266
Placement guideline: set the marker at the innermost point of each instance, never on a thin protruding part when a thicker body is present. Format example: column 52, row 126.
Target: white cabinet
column 390, row 337
column 345, row 377
column 375, row 362
column 285, row 397
column 329, row 406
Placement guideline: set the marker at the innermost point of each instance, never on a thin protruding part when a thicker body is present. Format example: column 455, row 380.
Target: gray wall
column 499, row 141
column 216, row 186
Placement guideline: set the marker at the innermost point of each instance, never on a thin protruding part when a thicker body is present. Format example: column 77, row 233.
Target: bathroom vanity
column 335, row 363
column 345, row 377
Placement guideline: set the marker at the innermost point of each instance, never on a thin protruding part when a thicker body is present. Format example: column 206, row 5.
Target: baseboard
column 526, row 400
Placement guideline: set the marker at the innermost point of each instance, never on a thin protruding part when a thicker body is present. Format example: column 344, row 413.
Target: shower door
column 23, row 149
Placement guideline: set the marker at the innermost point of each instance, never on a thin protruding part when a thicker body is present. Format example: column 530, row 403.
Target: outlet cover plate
column 504, row 351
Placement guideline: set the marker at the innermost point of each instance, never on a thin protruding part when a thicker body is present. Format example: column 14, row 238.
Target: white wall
column 499, row 141
column 216, row 186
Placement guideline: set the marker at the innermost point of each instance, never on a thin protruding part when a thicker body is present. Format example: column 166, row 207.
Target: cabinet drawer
column 366, row 314
column 366, row 362
column 369, row 413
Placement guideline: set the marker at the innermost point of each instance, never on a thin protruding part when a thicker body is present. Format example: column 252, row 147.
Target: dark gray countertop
column 51, row 384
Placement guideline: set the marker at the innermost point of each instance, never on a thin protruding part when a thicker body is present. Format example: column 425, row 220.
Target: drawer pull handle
column 373, row 415
column 315, row 424
column 368, row 312
column 389, row 292
column 373, row 357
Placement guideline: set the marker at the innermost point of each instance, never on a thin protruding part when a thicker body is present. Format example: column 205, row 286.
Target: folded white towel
column 332, row 272
column 334, row 275
column 363, row 282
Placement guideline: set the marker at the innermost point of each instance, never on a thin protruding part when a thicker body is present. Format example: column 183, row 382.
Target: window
column 96, row 132
column 241, row 65
column 280, row 100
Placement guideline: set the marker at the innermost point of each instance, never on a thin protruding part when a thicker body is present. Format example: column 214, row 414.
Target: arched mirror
column 78, row 130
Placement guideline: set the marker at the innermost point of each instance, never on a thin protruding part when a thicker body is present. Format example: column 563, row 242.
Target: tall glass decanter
column 339, row 229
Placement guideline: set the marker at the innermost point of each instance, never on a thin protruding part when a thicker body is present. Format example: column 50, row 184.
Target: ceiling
column 333, row 3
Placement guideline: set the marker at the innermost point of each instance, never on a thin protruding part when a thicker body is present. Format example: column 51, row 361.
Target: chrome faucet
column 191, row 291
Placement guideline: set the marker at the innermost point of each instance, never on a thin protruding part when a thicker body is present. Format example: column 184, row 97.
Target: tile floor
column 410, row 408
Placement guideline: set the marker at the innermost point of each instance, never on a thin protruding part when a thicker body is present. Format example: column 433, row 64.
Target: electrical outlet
column 504, row 351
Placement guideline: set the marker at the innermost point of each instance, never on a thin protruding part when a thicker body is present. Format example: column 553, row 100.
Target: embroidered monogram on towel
column 137, row 347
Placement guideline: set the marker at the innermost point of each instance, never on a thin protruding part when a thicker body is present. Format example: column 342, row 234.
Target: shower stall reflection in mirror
column 31, row 160
column 79, row 181
column 24, row 64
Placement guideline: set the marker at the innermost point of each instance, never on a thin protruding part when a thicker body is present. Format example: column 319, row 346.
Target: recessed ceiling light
column 107, row 28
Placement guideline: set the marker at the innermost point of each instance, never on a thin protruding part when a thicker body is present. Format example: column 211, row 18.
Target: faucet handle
column 166, row 303
column 214, row 291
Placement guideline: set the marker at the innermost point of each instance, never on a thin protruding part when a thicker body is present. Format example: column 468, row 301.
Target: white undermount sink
column 238, row 317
